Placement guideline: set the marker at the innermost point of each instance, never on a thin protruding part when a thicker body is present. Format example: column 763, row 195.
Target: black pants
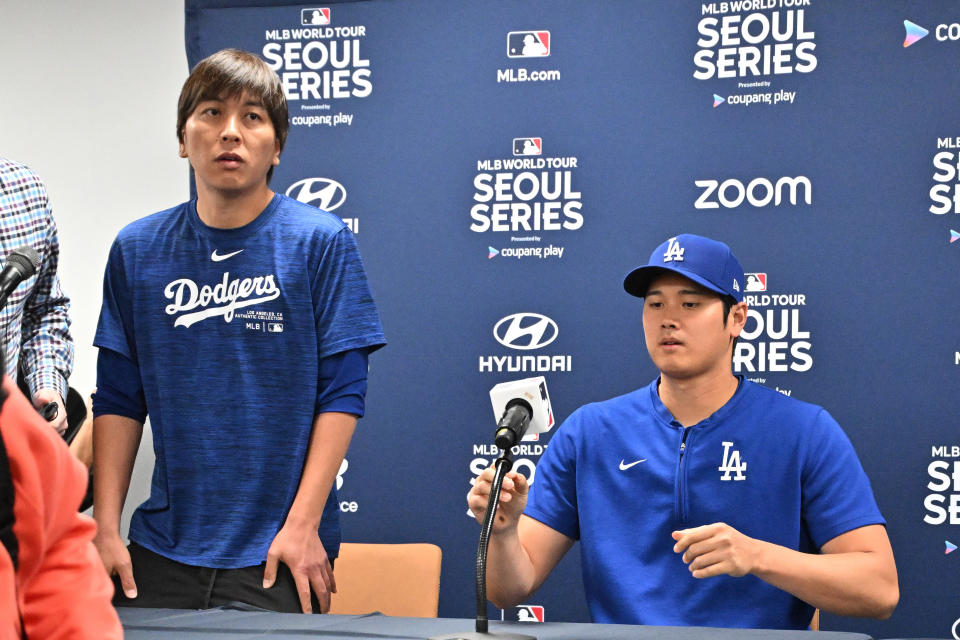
column 167, row 584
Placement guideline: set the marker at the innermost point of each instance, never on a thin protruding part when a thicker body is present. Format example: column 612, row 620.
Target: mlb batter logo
column 524, row 613
column 315, row 16
column 756, row 282
column 528, row 44
column 527, row 146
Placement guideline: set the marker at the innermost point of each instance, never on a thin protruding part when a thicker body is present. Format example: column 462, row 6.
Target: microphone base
column 473, row 635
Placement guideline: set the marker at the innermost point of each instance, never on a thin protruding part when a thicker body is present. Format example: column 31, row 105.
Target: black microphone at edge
column 21, row 264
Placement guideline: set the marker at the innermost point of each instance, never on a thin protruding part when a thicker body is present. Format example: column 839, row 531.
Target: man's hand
column 116, row 560
column 716, row 549
column 299, row 548
column 513, row 498
column 46, row 396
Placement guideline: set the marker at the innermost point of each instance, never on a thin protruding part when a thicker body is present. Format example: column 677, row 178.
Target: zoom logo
column 759, row 192
column 525, row 331
column 322, row 193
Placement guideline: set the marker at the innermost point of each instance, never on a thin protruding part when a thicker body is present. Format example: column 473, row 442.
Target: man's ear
column 737, row 318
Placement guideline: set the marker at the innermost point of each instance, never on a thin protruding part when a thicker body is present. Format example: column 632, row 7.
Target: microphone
column 521, row 407
column 21, row 264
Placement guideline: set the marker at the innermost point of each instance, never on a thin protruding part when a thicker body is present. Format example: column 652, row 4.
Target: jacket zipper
column 680, row 489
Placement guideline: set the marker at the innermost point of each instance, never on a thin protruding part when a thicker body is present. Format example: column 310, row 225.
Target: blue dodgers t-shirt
column 772, row 467
column 227, row 327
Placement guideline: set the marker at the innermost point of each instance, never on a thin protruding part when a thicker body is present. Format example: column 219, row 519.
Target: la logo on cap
column 674, row 252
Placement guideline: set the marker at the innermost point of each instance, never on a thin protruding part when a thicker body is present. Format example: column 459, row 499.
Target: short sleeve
column 553, row 494
column 115, row 326
column 837, row 496
column 345, row 313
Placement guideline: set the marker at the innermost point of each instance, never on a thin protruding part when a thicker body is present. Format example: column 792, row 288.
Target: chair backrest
column 395, row 579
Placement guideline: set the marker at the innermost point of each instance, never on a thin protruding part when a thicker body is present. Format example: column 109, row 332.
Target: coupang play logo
column 915, row 33
column 943, row 32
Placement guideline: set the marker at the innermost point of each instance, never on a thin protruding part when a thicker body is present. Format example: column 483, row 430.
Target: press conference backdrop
column 503, row 164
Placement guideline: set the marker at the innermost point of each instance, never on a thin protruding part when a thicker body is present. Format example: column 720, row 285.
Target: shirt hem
column 545, row 520
column 233, row 562
column 851, row 524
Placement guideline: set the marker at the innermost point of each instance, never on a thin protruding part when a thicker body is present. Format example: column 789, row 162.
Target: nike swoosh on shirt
column 624, row 467
column 218, row 258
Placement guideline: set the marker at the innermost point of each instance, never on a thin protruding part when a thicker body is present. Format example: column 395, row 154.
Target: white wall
column 88, row 100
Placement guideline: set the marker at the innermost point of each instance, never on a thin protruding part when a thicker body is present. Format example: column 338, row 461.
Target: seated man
column 701, row 498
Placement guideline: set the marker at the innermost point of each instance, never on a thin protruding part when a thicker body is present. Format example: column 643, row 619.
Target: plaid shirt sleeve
column 34, row 324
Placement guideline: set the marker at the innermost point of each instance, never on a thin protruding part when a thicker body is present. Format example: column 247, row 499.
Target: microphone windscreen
column 26, row 258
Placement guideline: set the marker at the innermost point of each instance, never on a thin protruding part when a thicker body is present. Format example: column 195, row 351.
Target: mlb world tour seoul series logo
column 321, row 68
column 526, row 195
column 773, row 339
column 748, row 40
column 318, row 62
column 945, row 193
column 943, row 502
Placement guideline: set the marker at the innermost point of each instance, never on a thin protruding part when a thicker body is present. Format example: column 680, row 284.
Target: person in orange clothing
column 52, row 583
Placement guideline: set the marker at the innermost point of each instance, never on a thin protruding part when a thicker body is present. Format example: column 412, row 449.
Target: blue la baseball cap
column 707, row 262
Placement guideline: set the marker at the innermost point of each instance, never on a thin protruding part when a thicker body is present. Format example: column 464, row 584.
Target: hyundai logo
column 525, row 331
column 322, row 193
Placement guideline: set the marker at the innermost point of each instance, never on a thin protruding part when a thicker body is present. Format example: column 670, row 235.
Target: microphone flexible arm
column 502, row 466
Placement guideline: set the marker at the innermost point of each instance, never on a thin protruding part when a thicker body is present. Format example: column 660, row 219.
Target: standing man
column 702, row 498
column 240, row 322
column 34, row 322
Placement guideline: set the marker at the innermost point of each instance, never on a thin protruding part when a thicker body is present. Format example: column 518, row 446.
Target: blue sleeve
column 119, row 389
column 837, row 496
column 553, row 494
column 346, row 316
column 115, row 326
column 343, row 382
